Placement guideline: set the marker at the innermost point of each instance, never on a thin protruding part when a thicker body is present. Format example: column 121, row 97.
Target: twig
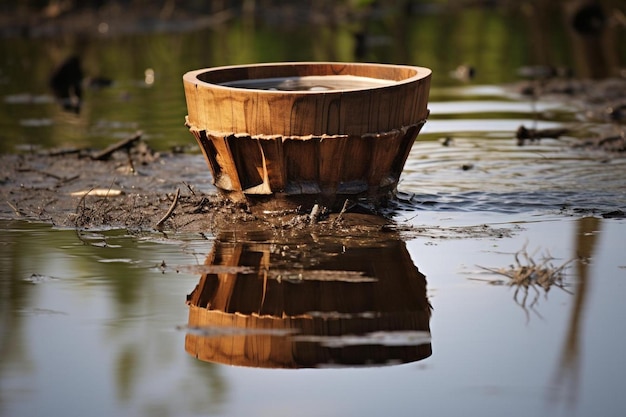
column 170, row 211
column 63, row 152
column 60, row 180
column 14, row 208
column 80, row 202
column 65, row 180
column 102, row 201
column 44, row 173
column 343, row 210
column 130, row 161
column 190, row 189
column 107, row 152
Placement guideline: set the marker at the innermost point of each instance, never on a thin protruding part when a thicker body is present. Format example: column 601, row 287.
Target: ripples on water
column 467, row 158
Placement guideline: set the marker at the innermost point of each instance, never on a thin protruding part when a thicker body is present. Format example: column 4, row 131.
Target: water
column 97, row 322
column 310, row 83
column 92, row 320
column 487, row 170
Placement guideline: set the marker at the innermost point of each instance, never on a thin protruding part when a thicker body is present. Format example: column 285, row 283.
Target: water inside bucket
column 310, row 83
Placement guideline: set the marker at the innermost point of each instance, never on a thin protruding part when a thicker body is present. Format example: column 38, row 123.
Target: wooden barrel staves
column 283, row 135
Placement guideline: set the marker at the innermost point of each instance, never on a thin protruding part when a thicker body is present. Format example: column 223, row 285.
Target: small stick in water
column 343, row 210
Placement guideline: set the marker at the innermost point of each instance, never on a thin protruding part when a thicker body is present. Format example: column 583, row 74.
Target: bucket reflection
column 308, row 302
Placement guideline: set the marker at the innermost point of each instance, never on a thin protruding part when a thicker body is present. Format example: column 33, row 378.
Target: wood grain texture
column 351, row 141
column 217, row 108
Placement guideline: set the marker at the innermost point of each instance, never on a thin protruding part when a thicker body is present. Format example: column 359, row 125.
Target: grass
column 529, row 275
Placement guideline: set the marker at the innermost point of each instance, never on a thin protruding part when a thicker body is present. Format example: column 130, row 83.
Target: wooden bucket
column 296, row 134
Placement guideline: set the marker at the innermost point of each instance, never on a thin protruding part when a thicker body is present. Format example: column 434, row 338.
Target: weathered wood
column 300, row 113
column 349, row 141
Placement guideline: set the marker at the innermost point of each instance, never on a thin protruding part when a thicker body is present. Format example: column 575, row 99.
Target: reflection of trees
column 568, row 371
column 15, row 295
column 580, row 33
column 101, row 277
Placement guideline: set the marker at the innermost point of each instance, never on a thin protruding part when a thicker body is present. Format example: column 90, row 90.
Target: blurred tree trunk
column 592, row 38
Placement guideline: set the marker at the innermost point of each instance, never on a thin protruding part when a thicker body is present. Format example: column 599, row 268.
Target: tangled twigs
column 528, row 275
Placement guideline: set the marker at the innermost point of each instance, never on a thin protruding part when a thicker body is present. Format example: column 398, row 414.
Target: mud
column 139, row 190
column 133, row 189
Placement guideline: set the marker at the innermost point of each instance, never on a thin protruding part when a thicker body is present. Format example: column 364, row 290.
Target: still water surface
column 92, row 325
column 97, row 322
column 309, row 83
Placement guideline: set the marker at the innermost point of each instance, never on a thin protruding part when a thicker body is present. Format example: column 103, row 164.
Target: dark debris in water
column 39, row 278
column 599, row 101
column 615, row 214
column 525, row 134
column 613, row 144
column 606, row 214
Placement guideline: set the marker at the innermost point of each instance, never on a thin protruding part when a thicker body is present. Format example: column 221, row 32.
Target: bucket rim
column 417, row 74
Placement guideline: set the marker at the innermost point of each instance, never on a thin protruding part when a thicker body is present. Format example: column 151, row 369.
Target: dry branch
column 124, row 144
column 170, row 211
column 15, row 209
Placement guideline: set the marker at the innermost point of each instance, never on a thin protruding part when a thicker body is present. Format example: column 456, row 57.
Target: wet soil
column 140, row 190
column 135, row 189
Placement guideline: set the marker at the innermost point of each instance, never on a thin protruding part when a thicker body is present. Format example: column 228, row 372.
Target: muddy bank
column 142, row 191
column 134, row 190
